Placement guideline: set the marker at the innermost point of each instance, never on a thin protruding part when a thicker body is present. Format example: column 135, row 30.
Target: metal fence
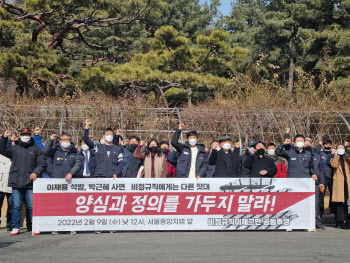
column 242, row 125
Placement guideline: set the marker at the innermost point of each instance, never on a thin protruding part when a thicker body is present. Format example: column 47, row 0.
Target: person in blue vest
column 64, row 157
column 300, row 161
column 191, row 158
column 109, row 157
column 319, row 171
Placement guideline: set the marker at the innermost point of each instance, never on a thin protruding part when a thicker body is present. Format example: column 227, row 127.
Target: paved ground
column 330, row 245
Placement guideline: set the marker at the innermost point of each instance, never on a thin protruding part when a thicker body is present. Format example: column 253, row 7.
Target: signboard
column 173, row 204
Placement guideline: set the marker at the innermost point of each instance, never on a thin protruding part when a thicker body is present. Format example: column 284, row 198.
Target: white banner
column 173, row 204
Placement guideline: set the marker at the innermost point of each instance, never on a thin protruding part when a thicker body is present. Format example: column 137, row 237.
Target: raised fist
column 288, row 130
column 181, row 126
column 54, row 137
column 142, row 143
column 119, row 132
column 238, row 145
column 87, row 124
column 7, row 133
column 37, row 131
column 287, row 141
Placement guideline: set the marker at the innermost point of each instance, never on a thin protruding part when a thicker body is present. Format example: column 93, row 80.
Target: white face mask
column 85, row 147
column 271, row 152
column 102, row 141
column 340, row 151
column 226, row 146
column 109, row 138
column 65, row 145
column 251, row 149
column 299, row 144
column 192, row 142
column 25, row 138
column 218, row 149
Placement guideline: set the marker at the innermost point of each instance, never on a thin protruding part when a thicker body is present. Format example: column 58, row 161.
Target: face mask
column 192, row 142
column 165, row 150
column 85, row 147
column 299, row 144
column 109, row 138
column 251, row 149
column 327, row 149
column 218, row 149
column 65, row 145
column 133, row 145
column 153, row 149
column 271, row 152
column 103, row 141
column 261, row 151
column 226, row 146
column 25, row 138
column 340, row 151
column 308, row 148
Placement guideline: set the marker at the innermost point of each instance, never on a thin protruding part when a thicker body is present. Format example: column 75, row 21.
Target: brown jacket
column 338, row 179
column 160, row 163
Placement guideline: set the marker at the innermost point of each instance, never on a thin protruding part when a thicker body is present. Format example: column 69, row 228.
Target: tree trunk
column 189, row 96
column 291, row 57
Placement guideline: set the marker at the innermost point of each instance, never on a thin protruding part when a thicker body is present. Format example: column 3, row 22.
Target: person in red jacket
column 281, row 167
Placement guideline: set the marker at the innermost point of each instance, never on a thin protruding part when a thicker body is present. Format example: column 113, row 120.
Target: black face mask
column 308, row 148
column 327, row 149
column 165, row 150
column 153, row 149
column 133, row 145
column 261, row 151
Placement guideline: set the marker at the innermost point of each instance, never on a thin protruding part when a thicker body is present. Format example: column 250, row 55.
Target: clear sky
column 225, row 7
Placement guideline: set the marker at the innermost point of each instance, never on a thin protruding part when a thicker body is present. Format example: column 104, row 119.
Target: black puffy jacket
column 27, row 158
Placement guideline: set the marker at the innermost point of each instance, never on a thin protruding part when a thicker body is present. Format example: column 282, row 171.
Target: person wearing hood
column 191, row 159
column 260, row 164
column 64, row 157
column 109, row 157
column 28, row 163
column 155, row 162
column 226, row 162
column 281, row 167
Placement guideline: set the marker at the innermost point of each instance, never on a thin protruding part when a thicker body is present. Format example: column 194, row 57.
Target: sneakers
column 54, row 233
column 289, row 230
column 97, row 232
column 15, row 232
column 36, row 233
column 73, row 233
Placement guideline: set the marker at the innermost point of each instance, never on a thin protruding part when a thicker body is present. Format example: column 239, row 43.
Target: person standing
column 28, row 163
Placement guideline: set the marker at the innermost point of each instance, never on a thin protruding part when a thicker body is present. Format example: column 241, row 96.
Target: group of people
column 26, row 158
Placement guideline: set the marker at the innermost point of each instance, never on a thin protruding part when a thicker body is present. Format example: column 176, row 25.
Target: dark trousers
column 328, row 184
column 317, row 206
